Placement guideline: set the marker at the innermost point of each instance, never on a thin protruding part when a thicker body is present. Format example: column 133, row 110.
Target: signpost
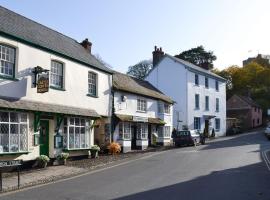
column 43, row 83
column 8, row 165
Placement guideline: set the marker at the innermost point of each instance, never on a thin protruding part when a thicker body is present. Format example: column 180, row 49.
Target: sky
column 124, row 32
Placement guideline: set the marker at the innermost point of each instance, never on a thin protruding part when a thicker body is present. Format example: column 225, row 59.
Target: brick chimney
column 87, row 45
column 157, row 55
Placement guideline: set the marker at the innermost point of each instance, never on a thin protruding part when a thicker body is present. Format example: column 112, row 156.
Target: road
column 227, row 168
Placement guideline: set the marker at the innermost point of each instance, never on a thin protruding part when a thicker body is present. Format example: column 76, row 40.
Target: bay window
column 13, row 132
column 76, row 133
column 124, row 131
column 142, row 131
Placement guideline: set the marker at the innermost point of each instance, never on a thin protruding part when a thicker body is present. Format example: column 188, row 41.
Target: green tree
column 141, row 69
column 198, row 56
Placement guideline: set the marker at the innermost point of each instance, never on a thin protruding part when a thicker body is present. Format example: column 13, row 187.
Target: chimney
column 157, row 55
column 87, row 45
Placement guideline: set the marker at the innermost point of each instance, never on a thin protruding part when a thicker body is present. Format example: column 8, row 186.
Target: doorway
column 44, row 137
column 206, row 127
column 133, row 136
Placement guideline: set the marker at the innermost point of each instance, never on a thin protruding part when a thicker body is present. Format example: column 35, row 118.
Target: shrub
column 63, row 156
column 43, row 160
column 95, row 148
column 114, row 148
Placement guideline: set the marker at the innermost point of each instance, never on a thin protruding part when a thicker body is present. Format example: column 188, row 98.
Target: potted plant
column 62, row 158
column 114, row 148
column 43, row 161
column 94, row 151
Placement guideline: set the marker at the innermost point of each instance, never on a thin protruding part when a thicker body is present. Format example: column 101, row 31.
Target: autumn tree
column 198, row 56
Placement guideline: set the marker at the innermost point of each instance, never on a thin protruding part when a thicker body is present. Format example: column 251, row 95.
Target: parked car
column 188, row 137
column 267, row 132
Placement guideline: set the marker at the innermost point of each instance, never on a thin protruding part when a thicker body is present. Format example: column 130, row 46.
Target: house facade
column 51, row 91
column 143, row 116
column 247, row 111
column 199, row 94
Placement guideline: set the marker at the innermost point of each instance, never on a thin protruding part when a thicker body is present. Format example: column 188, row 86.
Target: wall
column 75, row 81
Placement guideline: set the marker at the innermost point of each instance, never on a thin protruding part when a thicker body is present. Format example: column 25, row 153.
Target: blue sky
column 124, row 32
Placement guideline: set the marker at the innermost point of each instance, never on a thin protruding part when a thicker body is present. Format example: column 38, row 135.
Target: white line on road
column 265, row 158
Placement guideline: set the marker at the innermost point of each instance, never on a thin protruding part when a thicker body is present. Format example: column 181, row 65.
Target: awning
column 209, row 116
column 130, row 118
column 13, row 103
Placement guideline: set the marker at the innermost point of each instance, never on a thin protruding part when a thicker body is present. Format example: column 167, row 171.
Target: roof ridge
column 39, row 24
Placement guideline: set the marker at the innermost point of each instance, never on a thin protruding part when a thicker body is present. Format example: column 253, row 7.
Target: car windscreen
column 182, row 133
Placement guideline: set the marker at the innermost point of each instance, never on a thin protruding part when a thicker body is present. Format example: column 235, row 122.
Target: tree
column 198, row 56
column 141, row 69
column 100, row 59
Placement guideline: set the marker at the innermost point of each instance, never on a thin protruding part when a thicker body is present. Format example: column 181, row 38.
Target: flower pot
column 94, row 153
column 42, row 164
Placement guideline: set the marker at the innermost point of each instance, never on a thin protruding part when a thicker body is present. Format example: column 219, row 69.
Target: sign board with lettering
column 10, row 163
column 140, row 119
column 43, row 83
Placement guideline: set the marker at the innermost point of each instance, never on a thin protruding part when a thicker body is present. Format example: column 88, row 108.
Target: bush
column 43, row 160
column 95, row 148
column 114, row 148
column 63, row 156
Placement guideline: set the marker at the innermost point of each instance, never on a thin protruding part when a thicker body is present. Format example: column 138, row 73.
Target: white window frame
column 167, row 109
column 217, row 104
column 7, row 60
column 207, row 103
column 142, row 131
column 197, row 81
column 66, row 133
column 197, row 123
column 217, row 85
column 56, row 74
column 92, row 84
column 206, row 81
column 160, row 107
column 124, row 130
column 217, row 125
column 19, row 123
column 141, row 105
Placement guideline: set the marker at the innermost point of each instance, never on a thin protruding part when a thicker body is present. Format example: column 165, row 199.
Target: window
column 76, row 133
column 124, row 131
column 57, row 78
column 196, row 79
column 258, row 121
column 167, row 108
column 141, row 105
column 206, row 82
column 160, row 107
column 206, row 102
column 13, row 132
column 217, row 124
column 92, row 83
column 7, row 60
column 217, row 105
column 217, row 86
column 197, row 123
column 142, row 131
column 197, row 101
column 164, row 131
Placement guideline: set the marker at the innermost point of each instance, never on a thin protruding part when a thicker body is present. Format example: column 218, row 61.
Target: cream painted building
column 61, row 119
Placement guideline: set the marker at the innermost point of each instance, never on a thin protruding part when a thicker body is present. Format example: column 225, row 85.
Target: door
column 206, row 127
column 133, row 136
column 44, row 137
column 149, row 135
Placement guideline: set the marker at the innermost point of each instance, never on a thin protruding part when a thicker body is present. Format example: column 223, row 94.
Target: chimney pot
column 157, row 55
column 87, row 45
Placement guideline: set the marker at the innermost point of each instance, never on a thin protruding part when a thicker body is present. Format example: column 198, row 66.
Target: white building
column 61, row 119
column 142, row 114
column 200, row 95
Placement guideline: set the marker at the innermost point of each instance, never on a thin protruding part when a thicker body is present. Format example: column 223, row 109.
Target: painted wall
column 75, row 81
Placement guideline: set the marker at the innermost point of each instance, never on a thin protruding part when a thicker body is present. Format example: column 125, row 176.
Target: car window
column 182, row 133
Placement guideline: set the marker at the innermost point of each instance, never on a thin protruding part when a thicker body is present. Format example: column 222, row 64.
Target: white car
column 267, row 132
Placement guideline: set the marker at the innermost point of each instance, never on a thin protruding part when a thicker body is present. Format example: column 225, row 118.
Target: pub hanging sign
column 43, row 83
column 41, row 79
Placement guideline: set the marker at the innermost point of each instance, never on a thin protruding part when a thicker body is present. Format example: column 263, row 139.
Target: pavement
column 235, row 167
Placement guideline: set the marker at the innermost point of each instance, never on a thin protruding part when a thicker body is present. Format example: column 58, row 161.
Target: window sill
column 141, row 111
column 8, row 78
column 91, row 95
column 13, row 153
column 66, row 150
column 56, row 88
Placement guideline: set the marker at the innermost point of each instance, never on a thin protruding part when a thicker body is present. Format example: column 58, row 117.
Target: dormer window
column 7, row 61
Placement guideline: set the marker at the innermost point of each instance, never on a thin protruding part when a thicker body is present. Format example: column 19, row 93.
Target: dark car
column 188, row 137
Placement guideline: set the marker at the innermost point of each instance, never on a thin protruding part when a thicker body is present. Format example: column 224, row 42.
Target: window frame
column 19, row 123
column 122, row 128
column 140, row 133
column 217, row 104
column 96, row 84
column 206, row 82
column 197, row 82
column 7, row 76
column 197, row 101
column 207, row 103
column 52, row 85
column 197, row 123
column 168, row 109
column 217, row 85
column 217, row 124
column 139, row 105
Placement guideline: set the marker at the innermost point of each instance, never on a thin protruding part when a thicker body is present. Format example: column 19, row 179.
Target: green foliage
column 141, row 69
column 95, row 148
column 63, row 156
column 198, row 56
column 43, row 158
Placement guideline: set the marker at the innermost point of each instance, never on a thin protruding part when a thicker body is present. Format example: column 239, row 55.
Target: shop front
column 135, row 132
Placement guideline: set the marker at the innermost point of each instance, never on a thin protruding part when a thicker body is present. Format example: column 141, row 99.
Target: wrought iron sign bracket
column 38, row 70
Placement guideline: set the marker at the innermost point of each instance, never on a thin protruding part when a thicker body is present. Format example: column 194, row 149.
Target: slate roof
column 13, row 103
column 133, row 85
column 249, row 101
column 195, row 67
column 33, row 33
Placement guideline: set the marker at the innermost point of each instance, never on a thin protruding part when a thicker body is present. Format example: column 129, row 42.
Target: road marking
column 265, row 158
column 83, row 174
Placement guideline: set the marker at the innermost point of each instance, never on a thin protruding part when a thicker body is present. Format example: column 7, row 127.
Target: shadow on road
column 230, row 184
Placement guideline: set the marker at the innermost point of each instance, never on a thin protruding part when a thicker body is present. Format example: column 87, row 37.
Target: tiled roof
column 133, row 85
column 13, row 103
column 249, row 101
column 31, row 32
